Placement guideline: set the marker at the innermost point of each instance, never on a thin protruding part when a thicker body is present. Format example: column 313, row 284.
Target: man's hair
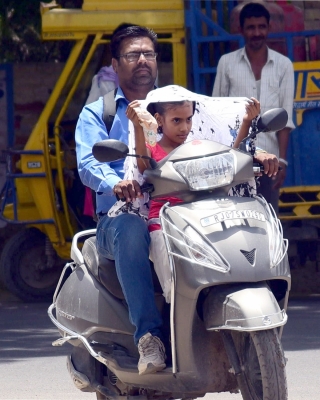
column 256, row 10
column 120, row 27
column 133, row 31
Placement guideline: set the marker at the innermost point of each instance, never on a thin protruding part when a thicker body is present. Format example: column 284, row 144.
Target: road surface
column 30, row 368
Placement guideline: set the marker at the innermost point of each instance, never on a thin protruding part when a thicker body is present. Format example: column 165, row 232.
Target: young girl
column 174, row 121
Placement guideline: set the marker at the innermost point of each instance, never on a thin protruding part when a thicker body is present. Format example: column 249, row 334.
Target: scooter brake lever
column 147, row 188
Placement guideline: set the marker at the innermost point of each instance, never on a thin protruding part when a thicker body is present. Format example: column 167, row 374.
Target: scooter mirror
column 272, row 120
column 109, row 150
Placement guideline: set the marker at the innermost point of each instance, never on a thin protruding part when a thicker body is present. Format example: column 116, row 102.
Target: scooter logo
column 266, row 321
column 65, row 315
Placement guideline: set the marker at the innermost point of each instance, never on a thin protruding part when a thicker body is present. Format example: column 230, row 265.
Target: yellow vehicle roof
column 105, row 15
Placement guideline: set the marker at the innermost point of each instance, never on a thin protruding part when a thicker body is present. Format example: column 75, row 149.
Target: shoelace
column 150, row 345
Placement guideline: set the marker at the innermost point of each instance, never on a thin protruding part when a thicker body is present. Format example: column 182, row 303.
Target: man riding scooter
column 134, row 60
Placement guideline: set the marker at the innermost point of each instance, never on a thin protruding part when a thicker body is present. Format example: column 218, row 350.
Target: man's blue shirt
column 101, row 177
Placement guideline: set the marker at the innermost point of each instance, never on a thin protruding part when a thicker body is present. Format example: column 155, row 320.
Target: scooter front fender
column 242, row 307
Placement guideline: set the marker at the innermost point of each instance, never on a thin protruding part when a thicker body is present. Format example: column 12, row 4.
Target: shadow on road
column 303, row 323
column 26, row 331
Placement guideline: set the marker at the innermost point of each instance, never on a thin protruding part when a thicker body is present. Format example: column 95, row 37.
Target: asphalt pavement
column 30, row 368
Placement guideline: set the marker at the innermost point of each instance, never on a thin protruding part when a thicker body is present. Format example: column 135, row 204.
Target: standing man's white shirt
column 235, row 78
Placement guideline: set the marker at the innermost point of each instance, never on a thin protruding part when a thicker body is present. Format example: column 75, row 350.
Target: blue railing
column 8, row 193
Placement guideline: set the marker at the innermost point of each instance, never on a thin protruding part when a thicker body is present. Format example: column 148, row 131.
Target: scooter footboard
column 242, row 307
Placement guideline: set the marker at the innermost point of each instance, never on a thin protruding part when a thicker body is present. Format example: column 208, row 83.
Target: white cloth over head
column 215, row 118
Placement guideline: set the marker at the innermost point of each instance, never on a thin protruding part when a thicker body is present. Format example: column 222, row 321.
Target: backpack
column 109, row 109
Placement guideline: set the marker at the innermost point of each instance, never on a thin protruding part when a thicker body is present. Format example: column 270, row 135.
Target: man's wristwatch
column 259, row 151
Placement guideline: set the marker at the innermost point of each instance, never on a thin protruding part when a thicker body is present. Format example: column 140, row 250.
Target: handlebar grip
column 145, row 188
column 258, row 168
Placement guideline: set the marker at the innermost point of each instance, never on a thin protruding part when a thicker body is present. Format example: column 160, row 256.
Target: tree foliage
column 20, row 32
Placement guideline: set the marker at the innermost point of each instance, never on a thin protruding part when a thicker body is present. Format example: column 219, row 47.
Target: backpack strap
column 109, row 108
column 109, row 111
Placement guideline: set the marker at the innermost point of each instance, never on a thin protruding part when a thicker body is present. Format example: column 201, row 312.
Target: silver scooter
column 229, row 294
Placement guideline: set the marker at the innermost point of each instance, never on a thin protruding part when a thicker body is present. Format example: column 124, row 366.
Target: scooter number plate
column 232, row 215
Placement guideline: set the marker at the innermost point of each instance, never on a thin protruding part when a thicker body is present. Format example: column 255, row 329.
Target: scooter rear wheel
column 262, row 360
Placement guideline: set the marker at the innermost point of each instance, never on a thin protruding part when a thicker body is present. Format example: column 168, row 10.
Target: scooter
column 229, row 293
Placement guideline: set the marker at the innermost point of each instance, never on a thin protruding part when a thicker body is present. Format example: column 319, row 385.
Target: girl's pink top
column 158, row 154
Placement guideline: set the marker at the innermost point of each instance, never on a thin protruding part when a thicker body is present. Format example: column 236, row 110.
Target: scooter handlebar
column 259, row 168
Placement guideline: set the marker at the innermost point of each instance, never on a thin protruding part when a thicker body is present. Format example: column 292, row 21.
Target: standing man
column 257, row 71
column 125, row 238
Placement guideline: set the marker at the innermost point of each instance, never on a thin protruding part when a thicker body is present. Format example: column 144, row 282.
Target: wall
column 33, row 83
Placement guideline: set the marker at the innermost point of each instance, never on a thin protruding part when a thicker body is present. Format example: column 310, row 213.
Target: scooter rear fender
column 242, row 307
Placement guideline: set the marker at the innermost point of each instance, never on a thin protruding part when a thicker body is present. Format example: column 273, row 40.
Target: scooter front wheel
column 100, row 396
column 262, row 360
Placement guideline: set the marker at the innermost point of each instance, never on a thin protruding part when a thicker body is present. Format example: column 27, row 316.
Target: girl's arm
column 252, row 111
column 140, row 144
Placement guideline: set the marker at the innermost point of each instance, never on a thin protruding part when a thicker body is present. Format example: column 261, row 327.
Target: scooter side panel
column 200, row 351
column 84, row 306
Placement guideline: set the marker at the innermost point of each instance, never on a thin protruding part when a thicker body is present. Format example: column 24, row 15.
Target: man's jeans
column 126, row 240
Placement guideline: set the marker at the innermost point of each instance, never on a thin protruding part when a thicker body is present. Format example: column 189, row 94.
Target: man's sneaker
column 152, row 354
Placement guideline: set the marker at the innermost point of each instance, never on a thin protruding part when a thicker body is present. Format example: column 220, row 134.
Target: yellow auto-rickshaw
column 43, row 192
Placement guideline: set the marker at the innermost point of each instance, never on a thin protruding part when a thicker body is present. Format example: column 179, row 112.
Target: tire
column 100, row 396
column 262, row 359
column 23, row 267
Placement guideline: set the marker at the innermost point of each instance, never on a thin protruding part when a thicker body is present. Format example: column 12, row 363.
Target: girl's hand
column 252, row 110
column 131, row 112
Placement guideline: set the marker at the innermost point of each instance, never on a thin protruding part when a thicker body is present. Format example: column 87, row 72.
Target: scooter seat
column 104, row 270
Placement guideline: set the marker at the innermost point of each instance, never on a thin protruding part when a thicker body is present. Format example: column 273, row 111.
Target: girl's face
column 176, row 122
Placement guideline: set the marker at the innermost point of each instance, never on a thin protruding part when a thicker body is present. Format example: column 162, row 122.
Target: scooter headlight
column 202, row 253
column 207, row 172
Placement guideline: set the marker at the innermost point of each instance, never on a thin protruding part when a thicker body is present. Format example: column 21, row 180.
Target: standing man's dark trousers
column 266, row 190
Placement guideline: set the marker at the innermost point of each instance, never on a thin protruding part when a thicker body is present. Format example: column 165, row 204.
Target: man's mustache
column 145, row 67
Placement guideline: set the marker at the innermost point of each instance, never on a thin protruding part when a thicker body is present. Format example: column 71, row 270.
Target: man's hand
column 127, row 190
column 270, row 163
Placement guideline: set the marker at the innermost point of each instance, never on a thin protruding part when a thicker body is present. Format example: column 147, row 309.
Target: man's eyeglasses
column 135, row 55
